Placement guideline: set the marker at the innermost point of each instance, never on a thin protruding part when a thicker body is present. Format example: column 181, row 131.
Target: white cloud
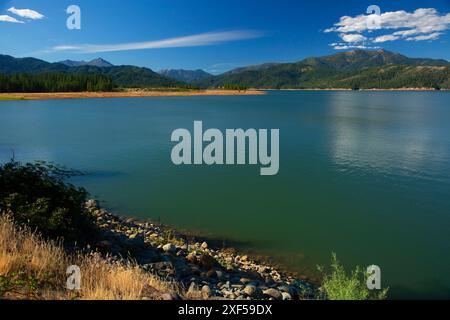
column 421, row 25
column 344, row 46
column 204, row 39
column 354, row 37
column 26, row 13
column 433, row 36
column 422, row 20
column 6, row 18
column 388, row 37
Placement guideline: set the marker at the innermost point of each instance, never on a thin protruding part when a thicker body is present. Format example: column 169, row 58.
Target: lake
column 362, row 174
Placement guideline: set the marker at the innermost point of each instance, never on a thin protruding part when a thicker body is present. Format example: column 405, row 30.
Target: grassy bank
column 7, row 97
column 32, row 267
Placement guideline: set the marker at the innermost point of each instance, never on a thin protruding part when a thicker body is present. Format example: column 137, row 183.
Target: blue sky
column 219, row 35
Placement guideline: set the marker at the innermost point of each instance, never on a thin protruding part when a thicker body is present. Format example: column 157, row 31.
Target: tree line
column 55, row 82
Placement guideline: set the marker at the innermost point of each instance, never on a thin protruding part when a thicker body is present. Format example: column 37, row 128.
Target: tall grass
column 34, row 268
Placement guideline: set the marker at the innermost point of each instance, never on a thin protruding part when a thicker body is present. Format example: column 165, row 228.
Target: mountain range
column 99, row 62
column 122, row 76
column 358, row 69
column 189, row 76
column 354, row 69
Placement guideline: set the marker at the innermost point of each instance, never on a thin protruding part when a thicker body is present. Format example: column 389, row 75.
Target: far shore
column 124, row 94
column 174, row 93
column 348, row 89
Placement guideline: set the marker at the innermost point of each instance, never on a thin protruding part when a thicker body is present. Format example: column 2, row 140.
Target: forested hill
column 55, row 82
column 355, row 69
column 121, row 76
column 188, row 76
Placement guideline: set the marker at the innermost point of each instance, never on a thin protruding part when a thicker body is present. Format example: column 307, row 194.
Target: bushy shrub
column 339, row 286
column 36, row 195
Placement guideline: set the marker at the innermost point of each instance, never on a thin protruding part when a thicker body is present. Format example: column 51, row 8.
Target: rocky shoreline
column 204, row 269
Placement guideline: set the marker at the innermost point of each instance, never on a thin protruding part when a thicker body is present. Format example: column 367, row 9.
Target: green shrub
column 37, row 196
column 19, row 284
column 339, row 286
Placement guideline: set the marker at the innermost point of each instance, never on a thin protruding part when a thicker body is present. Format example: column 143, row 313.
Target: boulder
column 273, row 293
column 253, row 291
column 169, row 248
column 286, row 296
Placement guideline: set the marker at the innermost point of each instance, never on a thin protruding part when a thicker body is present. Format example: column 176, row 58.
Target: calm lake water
column 362, row 174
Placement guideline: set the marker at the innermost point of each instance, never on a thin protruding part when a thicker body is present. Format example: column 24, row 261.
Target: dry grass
column 22, row 251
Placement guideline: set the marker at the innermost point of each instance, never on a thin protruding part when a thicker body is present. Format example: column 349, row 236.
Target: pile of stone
column 206, row 272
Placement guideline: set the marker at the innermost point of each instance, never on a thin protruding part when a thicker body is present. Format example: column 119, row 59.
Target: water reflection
column 367, row 135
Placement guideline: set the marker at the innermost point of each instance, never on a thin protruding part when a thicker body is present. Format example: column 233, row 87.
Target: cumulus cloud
column 353, row 37
column 424, row 24
column 6, row 18
column 203, row 39
column 26, row 13
column 433, row 36
column 388, row 37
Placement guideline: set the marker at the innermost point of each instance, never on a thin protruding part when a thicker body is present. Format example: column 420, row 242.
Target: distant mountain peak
column 188, row 76
column 99, row 62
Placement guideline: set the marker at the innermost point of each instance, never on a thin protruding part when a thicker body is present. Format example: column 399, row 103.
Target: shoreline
column 347, row 89
column 123, row 94
column 198, row 263
column 168, row 93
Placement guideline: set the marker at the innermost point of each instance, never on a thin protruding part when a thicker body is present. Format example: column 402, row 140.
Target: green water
column 363, row 174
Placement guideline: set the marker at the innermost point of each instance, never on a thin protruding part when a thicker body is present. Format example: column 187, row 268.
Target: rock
column 135, row 240
column 204, row 246
column 237, row 286
column 193, row 289
column 191, row 258
column 245, row 280
column 250, row 290
column 169, row 248
column 206, row 291
column 211, row 274
column 231, row 296
column 286, row 296
column 289, row 289
column 92, row 204
column 273, row 293
column 253, row 291
column 207, row 262
column 264, row 269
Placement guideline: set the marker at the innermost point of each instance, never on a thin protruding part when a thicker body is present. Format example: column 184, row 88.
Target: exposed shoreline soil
column 124, row 94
